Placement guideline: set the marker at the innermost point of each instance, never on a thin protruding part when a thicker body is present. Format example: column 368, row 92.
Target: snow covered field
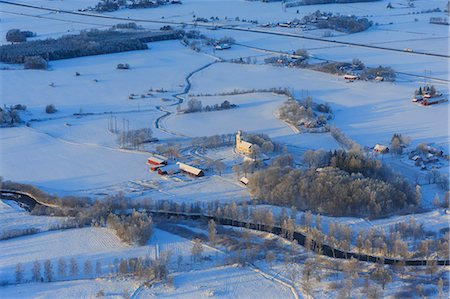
column 255, row 114
column 88, row 288
column 13, row 218
column 222, row 282
column 84, row 244
column 69, row 154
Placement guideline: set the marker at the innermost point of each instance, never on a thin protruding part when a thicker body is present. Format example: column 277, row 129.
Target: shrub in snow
column 15, row 36
column 35, row 62
column 123, row 66
column 50, row 109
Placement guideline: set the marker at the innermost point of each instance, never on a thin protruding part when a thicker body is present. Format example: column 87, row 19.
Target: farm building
column 244, row 180
column 157, row 160
column 382, row 149
column 351, row 78
column 168, row 170
column 242, row 146
column 222, row 46
column 190, row 169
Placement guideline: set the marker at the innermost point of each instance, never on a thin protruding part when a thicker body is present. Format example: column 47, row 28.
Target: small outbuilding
column 244, row 180
column 157, row 160
column 168, row 170
column 351, row 78
column 382, row 149
column 191, row 170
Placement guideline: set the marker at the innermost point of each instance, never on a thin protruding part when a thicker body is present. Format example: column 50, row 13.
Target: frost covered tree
column 98, row 268
column 382, row 275
column 212, row 232
column 19, row 273
column 73, row 267
column 87, row 268
column 194, row 105
column 270, row 257
column 440, row 287
column 36, row 271
column 269, row 221
column 197, row 249
column 48, row 270
column 62, row 267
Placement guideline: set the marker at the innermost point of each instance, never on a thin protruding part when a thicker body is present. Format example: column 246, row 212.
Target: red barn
column 156, row 160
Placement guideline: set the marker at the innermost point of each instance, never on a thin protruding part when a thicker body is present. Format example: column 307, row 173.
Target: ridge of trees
column 89, row 42
column 337, row 184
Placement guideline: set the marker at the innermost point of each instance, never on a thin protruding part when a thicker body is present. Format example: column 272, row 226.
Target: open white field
column 58, row 165
column 85, row 244
column 114, row 289
column 222, row 282
column 255, row 113
column 164, row 65
column 14, row 218
column 368, row 112
column 205, row 189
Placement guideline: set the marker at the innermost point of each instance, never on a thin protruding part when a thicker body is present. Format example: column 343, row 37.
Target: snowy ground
column 89, row 288
column 85, row 244
column 13, row 218
column 64, row 154
column 222, row 282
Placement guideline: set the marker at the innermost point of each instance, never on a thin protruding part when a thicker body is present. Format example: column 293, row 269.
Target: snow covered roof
column 156, row 160
column 171, row 169
column 189, row 169
column 246, row 144
column 244, row 180
column 380, row 148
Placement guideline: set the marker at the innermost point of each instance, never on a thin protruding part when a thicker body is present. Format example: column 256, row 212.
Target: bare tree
column 197, row 249
column 212, row 232
column 431, row 268
column 98, row 268
column 19, row 273
column 62, row 267
column 308, row 270
column 382, row 276
column 270, row 257
column 36, row 271
column 269, row 221
column 48, row 270
column 440, row 287
column 73, row 267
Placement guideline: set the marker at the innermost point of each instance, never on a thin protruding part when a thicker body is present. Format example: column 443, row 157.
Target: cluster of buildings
column 161, row 165
column 428, row 156
column 427, row 95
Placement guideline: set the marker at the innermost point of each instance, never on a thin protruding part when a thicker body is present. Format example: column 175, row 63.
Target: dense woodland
column 336, row 183
column 91, row 42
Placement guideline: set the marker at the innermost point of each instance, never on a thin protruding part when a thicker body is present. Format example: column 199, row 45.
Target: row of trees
column 145, row 268
column 134, row 138
column 347, row 24
column 113, row 5
column 91, row 42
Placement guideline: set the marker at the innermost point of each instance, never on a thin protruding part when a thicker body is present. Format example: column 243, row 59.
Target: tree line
column 337, row 184
column 89, row 42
